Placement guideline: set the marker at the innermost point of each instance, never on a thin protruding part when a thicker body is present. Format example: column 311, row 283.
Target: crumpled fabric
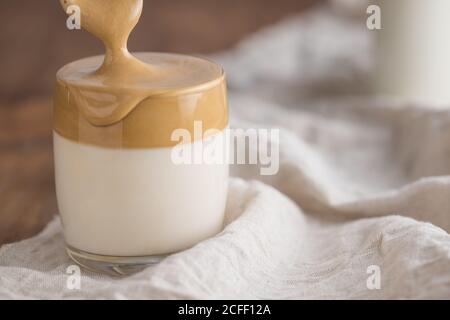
column 363, row 185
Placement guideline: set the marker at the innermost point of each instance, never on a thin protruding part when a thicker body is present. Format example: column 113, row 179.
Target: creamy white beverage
column 136, row 202
column 413, row 50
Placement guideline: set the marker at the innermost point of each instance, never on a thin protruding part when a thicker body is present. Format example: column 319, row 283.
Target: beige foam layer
column 137, row 117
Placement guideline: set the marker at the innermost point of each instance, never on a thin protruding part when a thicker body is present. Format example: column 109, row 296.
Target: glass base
column 114, row 266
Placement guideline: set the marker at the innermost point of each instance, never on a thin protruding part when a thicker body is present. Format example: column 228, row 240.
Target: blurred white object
column 413, row 50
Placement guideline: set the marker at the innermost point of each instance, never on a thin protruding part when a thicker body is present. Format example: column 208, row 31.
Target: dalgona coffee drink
column 123, row 200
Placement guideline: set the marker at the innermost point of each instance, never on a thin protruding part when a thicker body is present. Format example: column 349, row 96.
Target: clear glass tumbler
column 136, row 190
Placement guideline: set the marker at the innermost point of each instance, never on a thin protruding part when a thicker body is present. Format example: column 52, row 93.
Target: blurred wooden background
column 34, row 43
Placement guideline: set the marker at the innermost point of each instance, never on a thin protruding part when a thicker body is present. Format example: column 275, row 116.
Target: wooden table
column 27, row 197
